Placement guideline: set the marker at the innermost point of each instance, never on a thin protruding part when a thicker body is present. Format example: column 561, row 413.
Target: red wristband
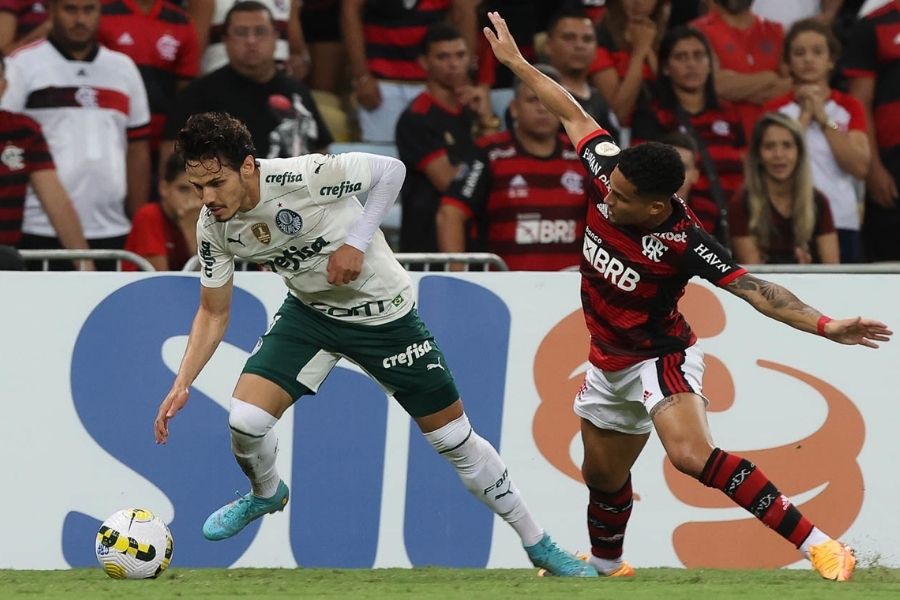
column 820, row 325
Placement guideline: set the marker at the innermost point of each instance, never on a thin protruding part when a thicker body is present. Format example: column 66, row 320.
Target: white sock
column 485, row 475
column 605, row 565
column 255, row 446
column 815, row 537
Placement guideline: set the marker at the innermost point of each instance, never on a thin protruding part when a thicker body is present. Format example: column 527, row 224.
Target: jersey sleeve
column 417, row 143
column 188, row 64
column 17, row 88
column 216, row 263
column 333, row 177
column 138, row 105
column 37, row 153
column 705, row 257
column 857, row 114
column 860, row 55
column 469, row 190
column 599, row 155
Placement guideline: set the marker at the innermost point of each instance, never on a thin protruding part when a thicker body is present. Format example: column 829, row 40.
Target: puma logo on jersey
column 319, row 166
column 236, row 240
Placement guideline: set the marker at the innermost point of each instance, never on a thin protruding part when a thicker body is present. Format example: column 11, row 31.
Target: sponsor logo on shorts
column 292, row 256
column 413, row 353
column 369, row 309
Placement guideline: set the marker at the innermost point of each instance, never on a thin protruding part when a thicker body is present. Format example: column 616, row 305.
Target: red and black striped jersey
column 528, row 209
column 720, row 130
column 427, row 131
column 393, row 31
column 28, row 13
column 874, row 51
column 632, row 278
column 23, row 151
column 161, row 42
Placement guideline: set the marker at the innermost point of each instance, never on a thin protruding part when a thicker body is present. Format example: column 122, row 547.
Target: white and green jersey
column 306, row 209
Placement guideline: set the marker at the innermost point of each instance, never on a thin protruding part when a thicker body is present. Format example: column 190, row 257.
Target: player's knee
column 249, row 419
column 688, row 458
column 450, row 438
column 602, row 477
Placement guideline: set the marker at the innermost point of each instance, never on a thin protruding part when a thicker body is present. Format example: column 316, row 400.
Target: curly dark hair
column 655, row 169
column 215, row 136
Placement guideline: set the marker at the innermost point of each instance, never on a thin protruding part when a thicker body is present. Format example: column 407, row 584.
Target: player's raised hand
column 864, row 332
column 502, row 42
column 174, row 401
column 345, row 265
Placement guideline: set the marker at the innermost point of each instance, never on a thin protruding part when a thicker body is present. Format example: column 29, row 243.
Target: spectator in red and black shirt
column 641, row 247
column 872, row 63
column 435, row 134
column 22, row 22
column 161, row 40
column 523, row 194
column 25, row 160
column 383, row 39
column 686, row 100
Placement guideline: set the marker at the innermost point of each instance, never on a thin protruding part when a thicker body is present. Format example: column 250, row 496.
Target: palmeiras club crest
column 262, row 233
column 288, row 221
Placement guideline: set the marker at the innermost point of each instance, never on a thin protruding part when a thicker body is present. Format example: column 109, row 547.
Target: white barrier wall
column 86, row 360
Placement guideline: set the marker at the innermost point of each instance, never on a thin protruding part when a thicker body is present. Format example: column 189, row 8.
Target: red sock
column 740, row 480
column 607, row 517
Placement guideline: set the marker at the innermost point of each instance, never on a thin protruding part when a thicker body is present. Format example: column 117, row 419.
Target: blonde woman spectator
column 834, row 125
column 779, row 217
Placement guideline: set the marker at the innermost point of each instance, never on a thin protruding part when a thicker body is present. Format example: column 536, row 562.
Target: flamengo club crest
column 288, row 222
column 262, row 233
column 653, row 248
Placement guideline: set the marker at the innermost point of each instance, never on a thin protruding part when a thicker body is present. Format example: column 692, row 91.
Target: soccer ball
column 134, row 544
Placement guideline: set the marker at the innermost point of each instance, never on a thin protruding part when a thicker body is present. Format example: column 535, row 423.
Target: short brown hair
column 816, row 26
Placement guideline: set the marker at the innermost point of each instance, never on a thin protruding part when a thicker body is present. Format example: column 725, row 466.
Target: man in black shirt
column 279, row 112
column 435, row 134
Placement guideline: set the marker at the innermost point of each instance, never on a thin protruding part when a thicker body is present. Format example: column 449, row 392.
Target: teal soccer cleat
column 557, row 562
column 231, row 518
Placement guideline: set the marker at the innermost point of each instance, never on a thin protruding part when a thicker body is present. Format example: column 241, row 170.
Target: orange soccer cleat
column 833, row 560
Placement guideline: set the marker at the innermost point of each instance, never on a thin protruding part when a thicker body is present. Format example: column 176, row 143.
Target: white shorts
column 622, row 400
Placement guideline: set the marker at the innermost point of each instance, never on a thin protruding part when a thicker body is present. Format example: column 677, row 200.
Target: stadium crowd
column 780, row 111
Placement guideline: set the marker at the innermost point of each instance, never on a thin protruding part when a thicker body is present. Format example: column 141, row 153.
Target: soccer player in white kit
column 348, row 297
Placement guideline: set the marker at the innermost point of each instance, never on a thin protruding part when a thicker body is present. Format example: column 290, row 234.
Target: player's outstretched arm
column 780, row 304
column 578, row 124
column 208, row 329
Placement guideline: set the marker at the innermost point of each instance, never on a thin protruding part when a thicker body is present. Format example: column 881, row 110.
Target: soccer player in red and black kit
column 641, row 246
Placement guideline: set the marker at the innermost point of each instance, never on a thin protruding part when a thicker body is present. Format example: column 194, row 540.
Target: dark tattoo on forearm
column 767, row 295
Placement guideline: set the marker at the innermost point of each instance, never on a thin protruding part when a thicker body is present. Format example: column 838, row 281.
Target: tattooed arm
column 777, row 302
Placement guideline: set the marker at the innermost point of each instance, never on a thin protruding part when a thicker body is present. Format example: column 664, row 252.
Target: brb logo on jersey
column 612, row 269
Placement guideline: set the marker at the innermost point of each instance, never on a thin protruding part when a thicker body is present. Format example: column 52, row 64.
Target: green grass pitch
column 435, row 583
